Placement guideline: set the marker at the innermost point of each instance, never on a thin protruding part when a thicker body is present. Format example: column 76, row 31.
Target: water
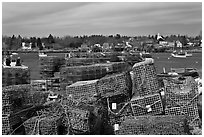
column 164, row 60
column 161, row 60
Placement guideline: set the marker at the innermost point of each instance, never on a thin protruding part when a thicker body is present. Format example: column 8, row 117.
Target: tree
column 51, row 39
column 39, row 44
column 33, row 42
column 117, row 36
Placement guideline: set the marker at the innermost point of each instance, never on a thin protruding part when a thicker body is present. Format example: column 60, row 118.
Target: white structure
column 159, row 37
column 26, row 46
column 178, row 44
column 164, row 43
column 97, row 45
column 128, row 45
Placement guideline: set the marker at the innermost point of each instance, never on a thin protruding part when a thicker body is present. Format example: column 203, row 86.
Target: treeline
column 53, row 42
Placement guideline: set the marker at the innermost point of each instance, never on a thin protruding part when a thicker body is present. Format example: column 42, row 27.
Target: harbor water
column 162, row 60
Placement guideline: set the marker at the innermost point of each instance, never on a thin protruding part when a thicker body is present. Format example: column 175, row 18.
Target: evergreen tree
column 39, row 44
column 51, row 39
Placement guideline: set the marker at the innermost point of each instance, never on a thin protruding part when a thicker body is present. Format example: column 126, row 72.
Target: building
column 26, row 46
column 178, row 44
column 106, row 47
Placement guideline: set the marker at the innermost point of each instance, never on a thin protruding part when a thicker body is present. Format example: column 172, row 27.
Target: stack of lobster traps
column 181, row 96
column 104, row 98
column 153, row 125
column 174, row 111
column 71, row 74
column 49, row 65
column 18, row 102
column 84, row 61
column 15, row 75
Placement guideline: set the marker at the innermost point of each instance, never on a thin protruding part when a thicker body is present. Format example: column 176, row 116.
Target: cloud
column 86, row 18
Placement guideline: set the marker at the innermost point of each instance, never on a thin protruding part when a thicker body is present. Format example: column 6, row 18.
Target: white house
column 26, row 46
column 178, row 44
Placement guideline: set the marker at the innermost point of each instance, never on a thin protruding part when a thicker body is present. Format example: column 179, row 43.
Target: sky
column 109, row 18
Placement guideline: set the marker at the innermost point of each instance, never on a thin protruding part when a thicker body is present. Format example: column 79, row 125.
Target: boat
column 14, row 53
column 188, row 54
column 181, row 54
column 175, row 72
column 178, row 54
column 42, row 54
column 145, row 55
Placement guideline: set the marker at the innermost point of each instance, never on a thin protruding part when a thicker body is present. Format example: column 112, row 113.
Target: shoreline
column 67, row 51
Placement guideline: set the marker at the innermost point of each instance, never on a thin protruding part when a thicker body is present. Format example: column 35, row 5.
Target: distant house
column 171, row 44
column 106, row 47
column 84, row 47
column 97, row 45
column 163, row 43
column 159, row 37
column 26, row 46
column 178, row 44
column 149, row 42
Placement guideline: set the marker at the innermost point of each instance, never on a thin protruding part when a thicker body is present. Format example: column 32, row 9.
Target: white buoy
column 164, row 70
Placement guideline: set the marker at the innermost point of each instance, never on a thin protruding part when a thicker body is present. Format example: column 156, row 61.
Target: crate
column 84, row 61
column 115, row 84
column 49, row 65
column 6, row 109
column 153, row 125
column 6, row 127
column 36, row 98
column 86, row 91
column 145, row 80
column 15, row 75
column 21, row 96
column 191, row 111
column 73, row 74
column 117, row 117
column 39, row 85
column 46, row 74
column 44, row 125
column 83, row 118
column 147, row 105
column 180, row 92
column 9, row 122
column 79, row 119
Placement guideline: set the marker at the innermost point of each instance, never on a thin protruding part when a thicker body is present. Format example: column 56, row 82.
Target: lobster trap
column 6, row 127
column 153, row 125
column 42, row 125
column 84, row 61
column 49, row 65
column 84, row 90
column 190, row 111
column 83, row 118
column 18, row 97
column 12, row 96
column 73, row 74
column 7, row 109
column 145, row 79
column 115, row 84
column 181, row 91
column 15, row 75
column 147, row 105
column 79, row 119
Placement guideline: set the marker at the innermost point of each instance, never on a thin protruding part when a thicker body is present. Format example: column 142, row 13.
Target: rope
column 149, row 105
column 17, row 128
column 187, row 102
column 119, row 110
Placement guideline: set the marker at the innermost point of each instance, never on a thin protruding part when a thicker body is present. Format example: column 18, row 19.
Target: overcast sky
column 60, row 19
